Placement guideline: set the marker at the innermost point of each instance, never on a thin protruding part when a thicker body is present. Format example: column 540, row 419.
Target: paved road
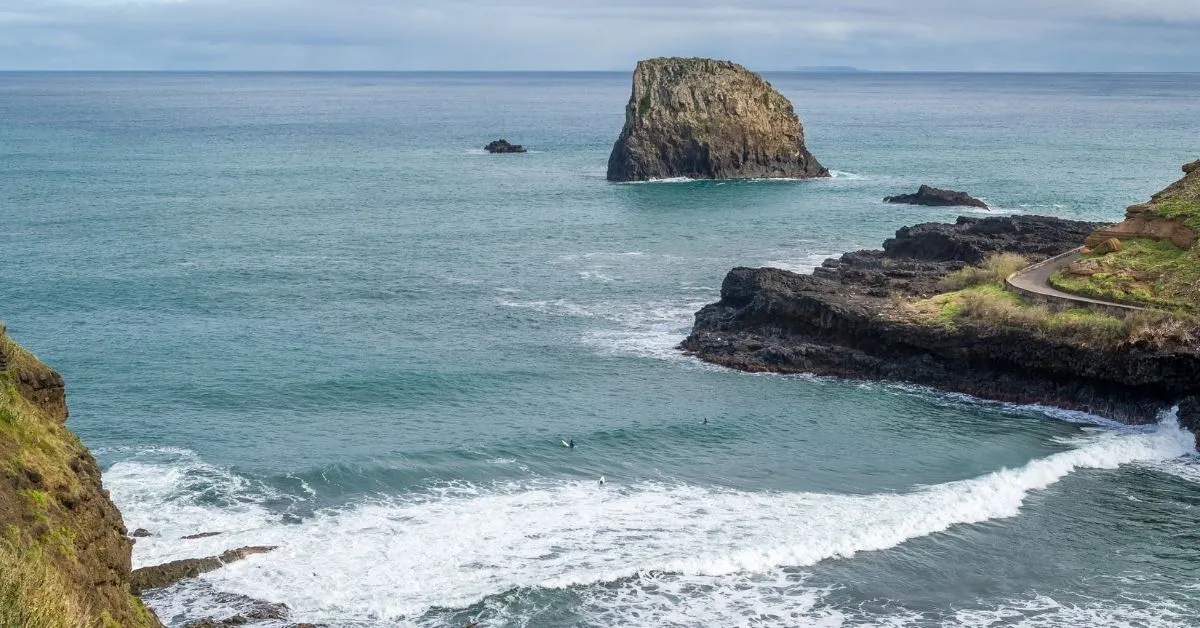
column 1036, row 280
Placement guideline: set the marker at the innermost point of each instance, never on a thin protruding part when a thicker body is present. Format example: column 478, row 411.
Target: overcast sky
column 1039, row 35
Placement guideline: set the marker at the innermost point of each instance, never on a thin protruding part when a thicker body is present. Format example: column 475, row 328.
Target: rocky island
column 503, row 146
column 932, row 308
column 708, row 119
column 937, row 197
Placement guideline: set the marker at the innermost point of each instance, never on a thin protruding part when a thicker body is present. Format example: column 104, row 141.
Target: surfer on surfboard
column 569, row 444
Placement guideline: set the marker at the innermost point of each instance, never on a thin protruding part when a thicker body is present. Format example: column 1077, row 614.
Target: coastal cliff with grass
column 932, row 308
column 64, row 553
column 1151, row 259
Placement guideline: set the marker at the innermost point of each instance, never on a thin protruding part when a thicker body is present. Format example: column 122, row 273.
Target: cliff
column 708, row 119
column 919, row 312
column 64, row 555
column 1149, row 259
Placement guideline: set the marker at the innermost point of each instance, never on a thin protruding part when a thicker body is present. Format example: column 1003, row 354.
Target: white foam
column 172, row 493
column 803, row 265
column 1046, row 612
column 651, row 330
column 450, row 548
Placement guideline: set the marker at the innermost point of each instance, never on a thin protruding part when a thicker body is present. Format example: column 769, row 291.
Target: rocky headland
column 937, row 197
column 708, row 119
column 931, row 309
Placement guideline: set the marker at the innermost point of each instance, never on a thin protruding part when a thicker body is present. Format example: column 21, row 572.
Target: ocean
column 307, row 310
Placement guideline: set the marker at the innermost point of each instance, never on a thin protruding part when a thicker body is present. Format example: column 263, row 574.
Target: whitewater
column 459, row 545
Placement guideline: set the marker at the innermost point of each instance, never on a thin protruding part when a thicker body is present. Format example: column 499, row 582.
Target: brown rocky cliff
column 64, row 555
column 708, row 119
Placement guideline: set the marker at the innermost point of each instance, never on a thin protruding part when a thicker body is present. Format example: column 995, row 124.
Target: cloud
column 594, row 34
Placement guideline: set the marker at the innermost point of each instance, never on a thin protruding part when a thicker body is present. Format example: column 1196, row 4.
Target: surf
column 455, row 545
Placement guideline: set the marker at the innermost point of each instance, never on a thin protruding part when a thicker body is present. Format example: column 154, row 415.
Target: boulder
column 937, row 197
column 503, row 146
column 1111, row 245
column 140, row 533
column 708, row 119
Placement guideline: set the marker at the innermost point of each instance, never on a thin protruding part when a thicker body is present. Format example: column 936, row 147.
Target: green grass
column 1183, row 210
column 991, row 306
column 1144, row 272
column 993, row 270
column 41, row 585
column 985, row 303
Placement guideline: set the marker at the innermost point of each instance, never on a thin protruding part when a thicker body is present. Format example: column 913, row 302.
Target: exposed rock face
column 839, row 321
column 1142, row 220
column 937, row 197
column 64, row 545
column 502, row 146
column 708, row 119
column 169, row 573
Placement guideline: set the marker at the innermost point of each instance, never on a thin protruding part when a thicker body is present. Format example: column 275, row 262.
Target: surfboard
column 566, row 444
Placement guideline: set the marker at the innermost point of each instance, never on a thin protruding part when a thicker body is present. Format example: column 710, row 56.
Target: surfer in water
column 569, row 444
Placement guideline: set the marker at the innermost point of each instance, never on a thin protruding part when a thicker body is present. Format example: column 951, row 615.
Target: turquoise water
column 308, row 311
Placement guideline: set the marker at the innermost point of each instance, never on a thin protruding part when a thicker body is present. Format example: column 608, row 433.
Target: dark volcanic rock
column 502, row 146
column 937, row 197
column 841, row 321
column 919, row 256
column 167, row 574
column 200, row 535
column 708, row 119
column 1189, row 415
column 140, row 533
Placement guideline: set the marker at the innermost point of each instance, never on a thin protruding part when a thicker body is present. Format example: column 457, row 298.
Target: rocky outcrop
column 502, row 146
column 1147, row 220
column 937, row 197
column 913, row 262
column 708, row 119
column 842, row 321
column 167, row 574
column 64, row 553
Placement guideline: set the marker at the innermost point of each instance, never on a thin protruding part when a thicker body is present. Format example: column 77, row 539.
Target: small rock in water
column 503, row 146
column 141, row 533
column 200, row 535
column 937, row 197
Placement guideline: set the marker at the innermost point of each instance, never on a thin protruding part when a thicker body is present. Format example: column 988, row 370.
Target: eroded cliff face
column 708, row 119
column 842, row 321
column 64, row 554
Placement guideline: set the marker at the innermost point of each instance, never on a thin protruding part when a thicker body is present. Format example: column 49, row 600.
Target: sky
column 765, row 35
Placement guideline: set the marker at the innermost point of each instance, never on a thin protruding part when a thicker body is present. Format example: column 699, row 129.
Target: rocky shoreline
column 844, row 320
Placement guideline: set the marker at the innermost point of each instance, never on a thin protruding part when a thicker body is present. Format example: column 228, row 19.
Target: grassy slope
column 39, row 567
column 1143, row 272
column 1148, row 272
column 977, row 296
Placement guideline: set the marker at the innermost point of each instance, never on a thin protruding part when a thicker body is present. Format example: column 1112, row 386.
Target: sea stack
column 708, row 119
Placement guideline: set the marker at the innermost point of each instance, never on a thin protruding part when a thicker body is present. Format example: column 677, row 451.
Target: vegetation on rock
column 1157, row 260
column 64, row 556
column 708, row 119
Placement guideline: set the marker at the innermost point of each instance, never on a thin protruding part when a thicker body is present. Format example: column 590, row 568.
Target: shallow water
column 307, row 310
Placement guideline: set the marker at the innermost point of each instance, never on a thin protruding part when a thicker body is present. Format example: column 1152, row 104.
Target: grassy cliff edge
column 64, row 555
